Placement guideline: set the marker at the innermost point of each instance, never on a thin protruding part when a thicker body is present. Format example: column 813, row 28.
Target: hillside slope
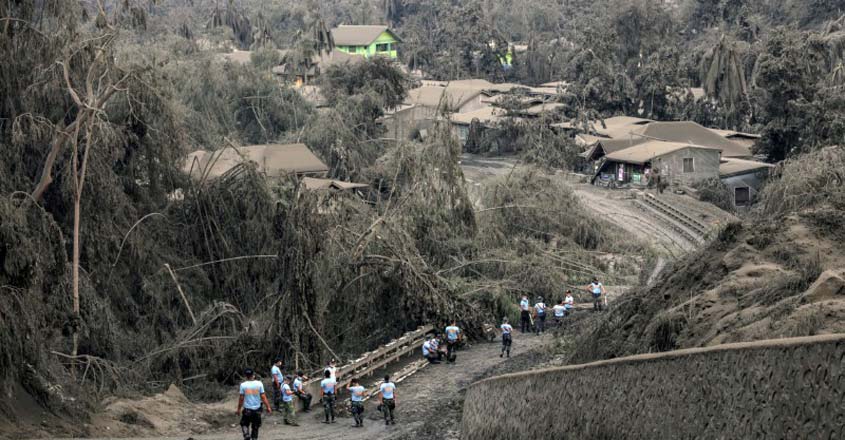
column 780, row 274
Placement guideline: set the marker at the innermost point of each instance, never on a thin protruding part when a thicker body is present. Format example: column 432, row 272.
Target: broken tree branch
column 184, row 298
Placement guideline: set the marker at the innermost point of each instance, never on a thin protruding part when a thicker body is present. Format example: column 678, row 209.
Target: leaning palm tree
column 723, row 75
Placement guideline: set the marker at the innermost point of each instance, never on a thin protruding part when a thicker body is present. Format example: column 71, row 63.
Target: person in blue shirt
column 507, row 338
column 299, row 391
column 524, row 315
column 429, row 351
column 540, row 316
column 387, row 399
column 356, row 393
column 287, row 402
column 327, row 393
column 251, row 396
column 453, row 338
column 278, row 380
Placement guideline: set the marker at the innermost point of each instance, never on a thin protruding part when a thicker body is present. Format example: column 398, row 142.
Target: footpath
column 429, row 403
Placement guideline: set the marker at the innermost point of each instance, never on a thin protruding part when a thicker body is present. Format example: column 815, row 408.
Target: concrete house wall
column 671, row 165
column 401, row 124
column 752, row 181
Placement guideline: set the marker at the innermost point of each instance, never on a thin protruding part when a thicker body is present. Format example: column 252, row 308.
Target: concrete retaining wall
column 775, row 389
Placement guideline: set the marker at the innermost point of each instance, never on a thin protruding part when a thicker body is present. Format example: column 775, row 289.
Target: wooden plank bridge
column 382, row 357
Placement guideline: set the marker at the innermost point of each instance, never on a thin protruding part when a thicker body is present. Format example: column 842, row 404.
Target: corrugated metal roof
column 695, row 134
column 733, row 167
column 485, row 115
column 645, row 152
column 272, row 159
column 355, row 35
column 731, row 133
column 313, row 183
column 537, row 109
column 430, row 96
column 617, row 126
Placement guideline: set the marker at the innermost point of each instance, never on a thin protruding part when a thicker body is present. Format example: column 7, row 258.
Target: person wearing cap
column 597, row 289
column 507, row 338
column 249, row 405
column 278, row 380
column 327, row 394
column 524, row 315
column 356, row 393
column 540, row 316
column 299, row 391
column 387, row 399
column 453, row 338
column 287, row 402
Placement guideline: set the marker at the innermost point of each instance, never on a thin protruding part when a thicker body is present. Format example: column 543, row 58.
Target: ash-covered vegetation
column 121, row 274
column 777, row 274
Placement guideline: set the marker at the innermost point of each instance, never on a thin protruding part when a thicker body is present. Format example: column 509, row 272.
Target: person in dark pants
column 559, row 312
column 387, row 399
column 429, row 351
column 540, row 316
column 278, row 380
column 507, row 338
column 327, row 390
column 597, row 289
column 304, row 397
column 524, row 315
column 249, row 405
column 356, row 393
column 453, row 338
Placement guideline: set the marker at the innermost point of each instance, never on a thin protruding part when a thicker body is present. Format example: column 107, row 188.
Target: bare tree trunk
column 75, row 282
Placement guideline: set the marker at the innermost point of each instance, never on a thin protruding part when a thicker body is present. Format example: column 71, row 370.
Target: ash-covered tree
column 378, row 76
column 784, row 86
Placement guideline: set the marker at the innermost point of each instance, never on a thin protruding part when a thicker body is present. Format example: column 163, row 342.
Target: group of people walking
column 286, row 387
column 535, row 316
column 252, row 398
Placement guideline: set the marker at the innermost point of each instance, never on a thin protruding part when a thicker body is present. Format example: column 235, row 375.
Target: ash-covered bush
column 808, row 181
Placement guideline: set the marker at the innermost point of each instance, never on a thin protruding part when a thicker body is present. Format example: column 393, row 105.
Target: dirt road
column 616, row 206
column 429, row 403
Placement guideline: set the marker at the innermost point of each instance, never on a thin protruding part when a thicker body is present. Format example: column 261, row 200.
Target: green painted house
column 366, row 40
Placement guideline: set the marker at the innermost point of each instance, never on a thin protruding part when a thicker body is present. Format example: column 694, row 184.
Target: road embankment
column 784, row 388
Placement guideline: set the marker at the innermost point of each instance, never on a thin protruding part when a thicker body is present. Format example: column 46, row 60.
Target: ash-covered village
column 422, row 219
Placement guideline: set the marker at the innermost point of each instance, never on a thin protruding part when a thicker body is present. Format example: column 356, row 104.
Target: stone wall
column 774, row 389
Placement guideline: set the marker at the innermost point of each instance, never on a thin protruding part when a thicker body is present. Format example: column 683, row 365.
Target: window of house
column 384, row 47
column 689, row 166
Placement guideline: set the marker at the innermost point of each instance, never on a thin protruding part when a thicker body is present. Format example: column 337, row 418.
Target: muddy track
column 429, row 403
